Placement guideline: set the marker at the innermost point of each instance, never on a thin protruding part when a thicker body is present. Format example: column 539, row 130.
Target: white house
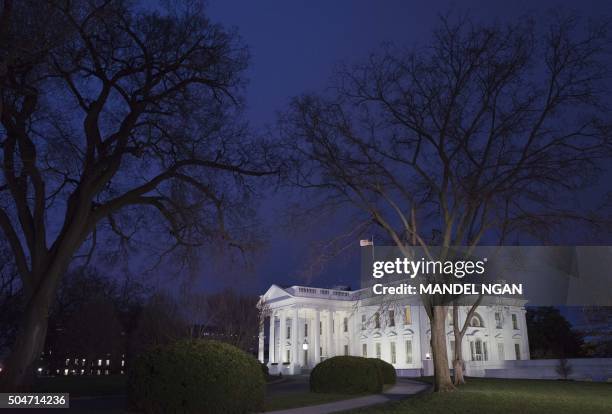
column 310, row 324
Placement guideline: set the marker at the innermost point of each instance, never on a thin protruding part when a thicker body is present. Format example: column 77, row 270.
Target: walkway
column 401, row 390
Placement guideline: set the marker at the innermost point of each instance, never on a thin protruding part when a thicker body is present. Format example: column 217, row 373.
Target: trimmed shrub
column 265, row 370
column 346, row 375
column 387, row 370
column 196, row 376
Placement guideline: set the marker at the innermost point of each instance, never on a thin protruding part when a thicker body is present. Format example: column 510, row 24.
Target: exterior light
column 39, row 369
column 305, row 345
column 428, row 356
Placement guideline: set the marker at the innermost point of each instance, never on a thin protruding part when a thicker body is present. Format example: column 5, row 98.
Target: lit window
column 122, row 363
column 393, row 353
column 407, row 316
column 409, row 351
column 99, row 363
column 514, row 321
column 498, row 320
column 107, row 362
column 517, row 352
column 66, row 371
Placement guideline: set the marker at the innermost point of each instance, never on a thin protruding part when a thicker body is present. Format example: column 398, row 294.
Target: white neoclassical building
column 308, row 324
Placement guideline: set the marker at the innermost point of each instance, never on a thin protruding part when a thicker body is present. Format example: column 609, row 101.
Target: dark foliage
column 551, row 335
column 346, row 375
column 196, row 376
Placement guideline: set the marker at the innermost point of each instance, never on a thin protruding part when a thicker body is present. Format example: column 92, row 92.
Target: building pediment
column 275, row 293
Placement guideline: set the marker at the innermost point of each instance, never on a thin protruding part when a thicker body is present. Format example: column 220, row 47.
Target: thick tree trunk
column 458, row 377
column 442, row 378
column 18, row 374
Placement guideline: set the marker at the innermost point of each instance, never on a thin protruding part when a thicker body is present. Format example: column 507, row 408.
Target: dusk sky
column 294, row 46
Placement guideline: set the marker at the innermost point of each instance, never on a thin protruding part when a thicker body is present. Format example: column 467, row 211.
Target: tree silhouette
column 115, row 120
column 470, row 139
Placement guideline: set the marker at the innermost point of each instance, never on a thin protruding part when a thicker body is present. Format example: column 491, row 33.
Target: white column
column 317, row 337
column 330, row 335
column 261, row 344
column 271, row 358
column 295, row 335
column 282, row 336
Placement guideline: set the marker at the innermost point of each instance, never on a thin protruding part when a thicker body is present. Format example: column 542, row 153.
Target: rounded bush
column 196, row 376
column 346, row 375
column 387, row 371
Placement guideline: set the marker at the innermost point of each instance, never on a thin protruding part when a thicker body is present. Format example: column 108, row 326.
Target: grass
column 492, row 396
column 79, row 386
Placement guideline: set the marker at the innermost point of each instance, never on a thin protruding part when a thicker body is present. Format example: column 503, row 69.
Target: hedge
column 196, row 376
column 387, row 370
column 346, row 375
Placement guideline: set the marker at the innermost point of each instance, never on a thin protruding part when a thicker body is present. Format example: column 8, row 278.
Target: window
column 407, row 316
column 378, row 351
column 476, row 321
column 498, row 320
column 288, row 356
column 363, row 322
column 346, row 350
column 364, row 350
column 377, row 320
column 333, row 324
column 486, row 352
column 107, row 362
column 288, row 331
column 391, row 318
column 500, row 351
column 99, row 362
column 449, row 317
column 409, row 351
column 517, row 351
column 452, row 350
column 305, row 330
column 320, row 327
column 478, row 350
column 345, row 324
column 393, row 353
column 514, row 321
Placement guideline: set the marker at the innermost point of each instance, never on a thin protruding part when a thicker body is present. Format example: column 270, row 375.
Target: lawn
column 85, row 385
column 508, row 396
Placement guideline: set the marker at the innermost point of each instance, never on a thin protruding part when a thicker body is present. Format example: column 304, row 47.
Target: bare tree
column 473, row 138
column 115, row 120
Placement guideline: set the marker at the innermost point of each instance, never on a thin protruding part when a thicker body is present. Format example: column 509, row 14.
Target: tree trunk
column 458, row 377
column 18, row 374
column 442, row 379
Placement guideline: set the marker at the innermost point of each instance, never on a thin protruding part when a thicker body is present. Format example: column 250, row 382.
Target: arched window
column 476, row 321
